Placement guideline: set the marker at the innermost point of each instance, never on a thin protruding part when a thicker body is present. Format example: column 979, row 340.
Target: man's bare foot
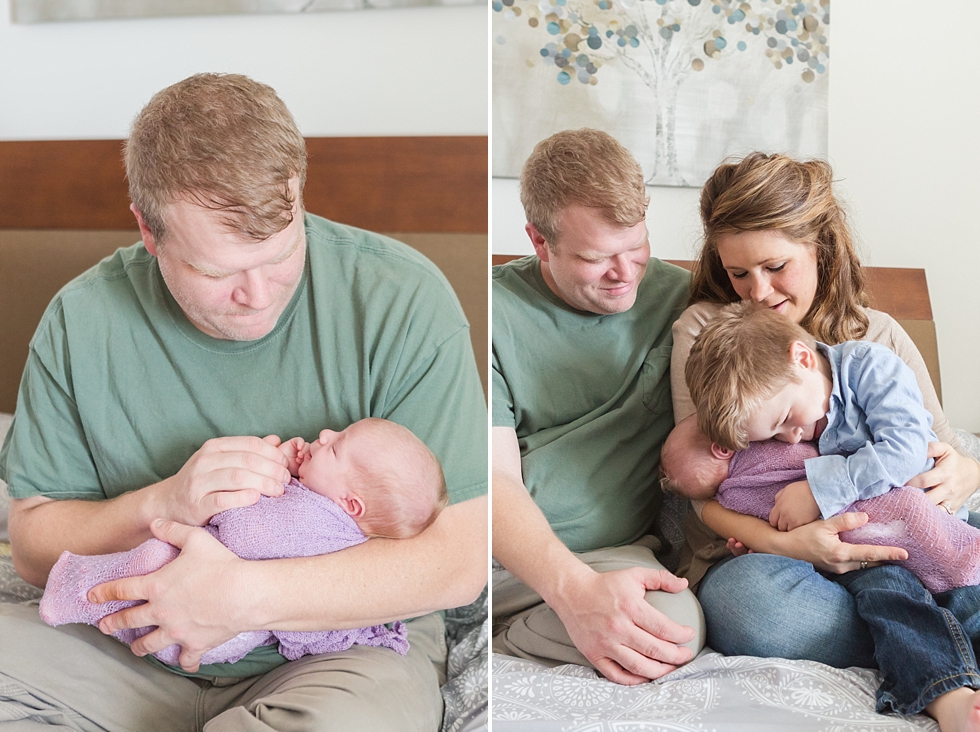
column 957, row 710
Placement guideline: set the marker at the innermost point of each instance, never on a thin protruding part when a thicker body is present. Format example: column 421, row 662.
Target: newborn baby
column 373, row 479
column 944, row 552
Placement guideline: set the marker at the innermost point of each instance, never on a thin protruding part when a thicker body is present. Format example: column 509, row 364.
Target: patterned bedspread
column 733, row 694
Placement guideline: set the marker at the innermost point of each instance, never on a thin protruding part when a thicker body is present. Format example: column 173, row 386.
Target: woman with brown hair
column 775, row 234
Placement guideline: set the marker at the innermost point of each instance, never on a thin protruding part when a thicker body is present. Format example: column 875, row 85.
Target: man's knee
column 683, row 608
column 369, row 689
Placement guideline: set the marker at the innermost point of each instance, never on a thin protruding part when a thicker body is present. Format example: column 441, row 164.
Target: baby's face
column 326, row 464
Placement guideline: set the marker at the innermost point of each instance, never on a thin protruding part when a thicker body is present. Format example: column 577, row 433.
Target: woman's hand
column 819, row 543
column 953, row 479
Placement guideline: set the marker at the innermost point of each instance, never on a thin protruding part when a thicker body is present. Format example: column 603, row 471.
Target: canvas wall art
column 682, row 83
column 41, row 11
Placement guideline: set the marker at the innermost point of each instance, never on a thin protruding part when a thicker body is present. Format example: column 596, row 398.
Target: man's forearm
column 375, row 582
column 41, row 529
column 524, row 543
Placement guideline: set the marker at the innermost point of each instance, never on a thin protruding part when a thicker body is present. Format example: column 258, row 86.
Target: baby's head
column 381, row 474
column 691, row 464
column 753, row 375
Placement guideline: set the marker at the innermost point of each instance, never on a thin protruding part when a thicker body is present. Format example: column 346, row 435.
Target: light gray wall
column 904, row 105
column 414, row 71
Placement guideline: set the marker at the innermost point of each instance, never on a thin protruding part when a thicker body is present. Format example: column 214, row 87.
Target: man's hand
column 227, row 472
column 190, row 600
column 609, row 620
column 794, row 507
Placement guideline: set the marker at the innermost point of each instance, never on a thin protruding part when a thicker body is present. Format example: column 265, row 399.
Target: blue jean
column 924, row 643
column 771, row 606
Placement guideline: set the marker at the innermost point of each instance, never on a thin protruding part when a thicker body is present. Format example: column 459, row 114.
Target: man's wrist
column 150, row 502
column 565, row 582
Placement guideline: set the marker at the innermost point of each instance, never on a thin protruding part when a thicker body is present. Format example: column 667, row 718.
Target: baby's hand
column 738, row 548
column 294, row 450
column 794, row 507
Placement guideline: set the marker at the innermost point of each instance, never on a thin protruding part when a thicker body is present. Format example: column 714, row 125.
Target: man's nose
column 254, row 292
column 623, row 269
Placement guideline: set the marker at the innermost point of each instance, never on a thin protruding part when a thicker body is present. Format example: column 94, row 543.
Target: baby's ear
column 722, row 453
column 353, row 506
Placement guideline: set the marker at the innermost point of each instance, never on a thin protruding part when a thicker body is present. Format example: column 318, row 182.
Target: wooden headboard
column 64, row 205
column 900, row 292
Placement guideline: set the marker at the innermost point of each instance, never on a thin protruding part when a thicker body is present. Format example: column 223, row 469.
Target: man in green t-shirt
column 581, row 406
column 238, row 314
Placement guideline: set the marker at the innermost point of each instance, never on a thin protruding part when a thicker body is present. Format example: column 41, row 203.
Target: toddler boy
column 756, row 375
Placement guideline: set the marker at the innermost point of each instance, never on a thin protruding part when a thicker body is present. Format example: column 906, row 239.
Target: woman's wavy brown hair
column 774, row 192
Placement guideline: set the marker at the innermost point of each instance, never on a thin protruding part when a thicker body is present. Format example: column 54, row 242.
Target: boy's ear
column 800, row 353
column 722, row 453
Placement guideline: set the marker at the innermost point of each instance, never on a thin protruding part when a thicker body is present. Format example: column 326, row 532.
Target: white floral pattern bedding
column 735, row 694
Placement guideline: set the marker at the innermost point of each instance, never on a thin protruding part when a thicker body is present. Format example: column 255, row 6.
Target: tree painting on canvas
column 682, row 83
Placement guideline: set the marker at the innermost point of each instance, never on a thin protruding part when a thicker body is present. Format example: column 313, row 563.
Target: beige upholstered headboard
column 902, row 293
column 64, row 206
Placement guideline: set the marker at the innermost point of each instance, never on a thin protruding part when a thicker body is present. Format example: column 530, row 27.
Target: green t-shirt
column 589, row 397
column 120, row 389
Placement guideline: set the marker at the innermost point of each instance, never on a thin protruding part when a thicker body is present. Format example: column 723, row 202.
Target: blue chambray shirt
column 877, row 430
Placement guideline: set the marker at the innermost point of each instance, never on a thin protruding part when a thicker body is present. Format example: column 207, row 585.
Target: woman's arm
column 685, row 330
column 956, row 475
column 818, row 542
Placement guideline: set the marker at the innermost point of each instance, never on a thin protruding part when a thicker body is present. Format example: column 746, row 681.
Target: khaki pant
column 524, row 626
column 75, row 678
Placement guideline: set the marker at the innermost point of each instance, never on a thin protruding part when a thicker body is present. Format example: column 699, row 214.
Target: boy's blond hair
column 740, row 359
column 585, row 167
column 399, row 479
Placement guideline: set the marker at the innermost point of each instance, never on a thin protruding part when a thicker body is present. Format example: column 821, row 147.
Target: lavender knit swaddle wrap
column 944, row 552
column 300, row 523
column 757, row 473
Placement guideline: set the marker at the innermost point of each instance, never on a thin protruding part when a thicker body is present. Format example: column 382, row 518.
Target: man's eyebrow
column 210, row 272
column 300, row 236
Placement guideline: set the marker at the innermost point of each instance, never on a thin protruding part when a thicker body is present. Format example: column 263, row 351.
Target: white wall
column 904, row 105
column 414, row 71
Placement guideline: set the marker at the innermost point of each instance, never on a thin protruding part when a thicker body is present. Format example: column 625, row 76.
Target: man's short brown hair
column 585, row 167
column 222, row 141
column 740, row 359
